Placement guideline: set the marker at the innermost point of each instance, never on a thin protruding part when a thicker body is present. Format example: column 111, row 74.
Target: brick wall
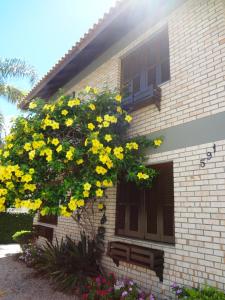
column 198, row 256
column 196, row 89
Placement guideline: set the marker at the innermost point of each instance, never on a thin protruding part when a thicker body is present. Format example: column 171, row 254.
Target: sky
column 42, row 31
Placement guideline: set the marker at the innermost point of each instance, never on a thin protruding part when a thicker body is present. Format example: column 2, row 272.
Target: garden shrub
column 205, row 293
column 24, row 237
column 67, row 263
column 11, row 223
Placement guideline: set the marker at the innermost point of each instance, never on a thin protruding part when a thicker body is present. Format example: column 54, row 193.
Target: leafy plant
column 70, row 150
column 23, row 236
column 205, row 293
column 69, row 263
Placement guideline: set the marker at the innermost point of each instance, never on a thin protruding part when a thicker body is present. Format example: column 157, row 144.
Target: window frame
column 142, row 233
column 143, row 74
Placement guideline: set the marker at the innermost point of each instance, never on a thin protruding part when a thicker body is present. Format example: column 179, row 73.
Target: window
column 147, row 213
column 48, row 219
column 146, row 67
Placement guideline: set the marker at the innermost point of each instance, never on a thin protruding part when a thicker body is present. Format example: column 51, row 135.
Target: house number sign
column 209, row 155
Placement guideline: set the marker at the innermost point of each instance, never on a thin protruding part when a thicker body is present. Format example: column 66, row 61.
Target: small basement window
column 147, row 214
column 48, row 219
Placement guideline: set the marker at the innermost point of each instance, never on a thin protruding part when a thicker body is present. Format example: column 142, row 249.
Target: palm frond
column 12, row 94
column 16, row 68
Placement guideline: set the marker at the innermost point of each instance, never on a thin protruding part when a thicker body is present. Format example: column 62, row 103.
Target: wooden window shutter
column 129, row 209
column 168, row 202
column 159, row 203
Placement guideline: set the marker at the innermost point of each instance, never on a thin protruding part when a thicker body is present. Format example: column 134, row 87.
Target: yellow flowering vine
column 64, row 154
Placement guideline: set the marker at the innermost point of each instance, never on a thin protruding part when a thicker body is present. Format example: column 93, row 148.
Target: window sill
column 45, row 224
column 164, row 83
column 145, row 243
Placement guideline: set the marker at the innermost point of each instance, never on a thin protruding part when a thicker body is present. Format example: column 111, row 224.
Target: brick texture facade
column 196, row 90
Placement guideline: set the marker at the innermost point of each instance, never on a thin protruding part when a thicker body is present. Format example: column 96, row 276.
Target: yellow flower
column 64, row 212
column 87, row 89
column 92, row 106
column 46, row 107
column 31, row 171
column 52, row 107
column 79, row 161
column 38, row 144
column 108, row 149
column 86, row 194
column 119, row 109
column 95, row 90
column 27, row 147
column 31, row 187
column 32, row 105
column 128, row 118
column 91, row 126
column 74, row 102
column 69, row 153
column 37, row 203
column 59, row 148
column 100, row 206
column 6, row 154
column 118, row 98
column 98, row 183
column 107, row 183
column 9, row 138
column 55, row 125
column 99, row 119
column 141, row 175
column 9, row 146
column 72, row 204
column 69, row 122
column 108, row 137
column 157, row 142
column 55, row 141
column 87, row 186
column 9, row 185
column 64, row 112
column 32, row 154
column 26, row 178
column 105, row 124
column 3, row 192
column 100, row 170
column 99, row 193
column 80, row 203
column 118, row 152
column 113, row 119
column 132, row 146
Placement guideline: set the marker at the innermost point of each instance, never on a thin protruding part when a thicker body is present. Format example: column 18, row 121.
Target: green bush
column 205, row 293
column 68, row 263
column 11, row 223
column 23, row 237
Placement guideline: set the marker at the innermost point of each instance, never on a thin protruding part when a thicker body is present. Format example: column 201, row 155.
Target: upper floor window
column 147, row 214
column 146, row 67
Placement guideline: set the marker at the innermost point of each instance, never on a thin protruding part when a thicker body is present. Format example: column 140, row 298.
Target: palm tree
column 13, row 68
